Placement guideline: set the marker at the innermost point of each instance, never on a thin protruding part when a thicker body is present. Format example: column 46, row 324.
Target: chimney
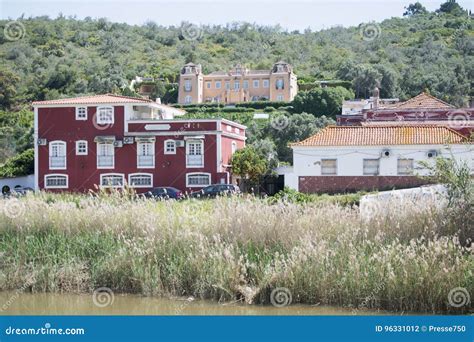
column 158, row 100
column 375, row 95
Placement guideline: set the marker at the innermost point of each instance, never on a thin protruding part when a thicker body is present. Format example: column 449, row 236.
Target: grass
column 234, row 249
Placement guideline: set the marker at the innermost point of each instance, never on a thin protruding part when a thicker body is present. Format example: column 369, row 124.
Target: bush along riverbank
column 234, row 249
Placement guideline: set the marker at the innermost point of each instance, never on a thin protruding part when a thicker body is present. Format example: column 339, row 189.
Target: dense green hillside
column 45, row 58
column 65, row 56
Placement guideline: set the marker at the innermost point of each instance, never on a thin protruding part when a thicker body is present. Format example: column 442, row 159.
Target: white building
column 348, row 158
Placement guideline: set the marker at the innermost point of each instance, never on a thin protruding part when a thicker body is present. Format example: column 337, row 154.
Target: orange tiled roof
column 421, row 101
column 93, row 99
column 383, row 135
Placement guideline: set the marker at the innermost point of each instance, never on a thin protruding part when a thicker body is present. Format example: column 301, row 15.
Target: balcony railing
column 105, row 161
column 146, row 161
column 194, row 160
column 57, row 162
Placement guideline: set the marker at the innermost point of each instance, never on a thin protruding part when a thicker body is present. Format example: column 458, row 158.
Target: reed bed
column 234, row 249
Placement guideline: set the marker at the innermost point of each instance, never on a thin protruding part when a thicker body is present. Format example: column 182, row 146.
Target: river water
column 16, row 303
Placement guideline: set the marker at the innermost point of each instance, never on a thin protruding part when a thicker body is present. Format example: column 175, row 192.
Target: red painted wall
column 170, row 170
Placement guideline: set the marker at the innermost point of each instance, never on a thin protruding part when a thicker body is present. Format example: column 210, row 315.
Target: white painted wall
column 307, row 159
column 25, row 181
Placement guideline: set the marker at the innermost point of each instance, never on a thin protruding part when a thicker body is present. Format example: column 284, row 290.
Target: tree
column 415, row 9
column 8, row 87
column 287, row 128
column 451, row 7
column 321, row 101
column 20, row 165
column 456, row 177
column 249, row 164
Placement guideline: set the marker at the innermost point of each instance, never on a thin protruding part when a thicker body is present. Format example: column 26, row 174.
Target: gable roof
column 383, row 135
column 94, row 99
column 421, row 101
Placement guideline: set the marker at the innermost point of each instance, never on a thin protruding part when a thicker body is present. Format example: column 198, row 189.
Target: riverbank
column 233, row 249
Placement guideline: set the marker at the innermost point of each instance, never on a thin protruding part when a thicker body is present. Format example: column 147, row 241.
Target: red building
column 110, row 140
column 422, row 109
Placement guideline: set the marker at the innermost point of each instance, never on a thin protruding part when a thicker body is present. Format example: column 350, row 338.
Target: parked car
column 17, row 191
column 215, row 190
column 164, row 192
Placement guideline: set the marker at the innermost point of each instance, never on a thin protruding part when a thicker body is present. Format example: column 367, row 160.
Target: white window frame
column 245, row 84
column 56, row 186
column 256, row 83
column 140, row 174
column 188, row 85
column 218, row 84
column 102, row 175
column 99, row 155
column 227, row 85
column 198, row 174
column 279, row 97
column 188, row 99
column 411, row 172
column 233, row 147
column 150, row 153
column 326, row 173
column 236, row 85
column 237, row 130
column 266, row 84
column 51, row 145
column 368, row 160
column 208, row 85
column 280, row 81
column 80, row 115
column 165, row 146
column 102, row 120
column 188, row 145
column 78, row 152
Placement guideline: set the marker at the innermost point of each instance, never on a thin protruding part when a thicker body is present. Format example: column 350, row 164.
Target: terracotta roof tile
column 93, row 99
column 421, row 101
column 383, row 135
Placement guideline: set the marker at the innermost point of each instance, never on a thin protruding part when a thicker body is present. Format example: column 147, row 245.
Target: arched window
column 112, row 180
column 55, row 181
column 234, row 147
column 57, row 155
column 105, row 115
column 197, row 179
column 140, row 180
column 145, row 154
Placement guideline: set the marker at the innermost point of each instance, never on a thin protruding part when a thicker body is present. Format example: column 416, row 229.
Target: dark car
column 164, row 192
column 215, row 190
